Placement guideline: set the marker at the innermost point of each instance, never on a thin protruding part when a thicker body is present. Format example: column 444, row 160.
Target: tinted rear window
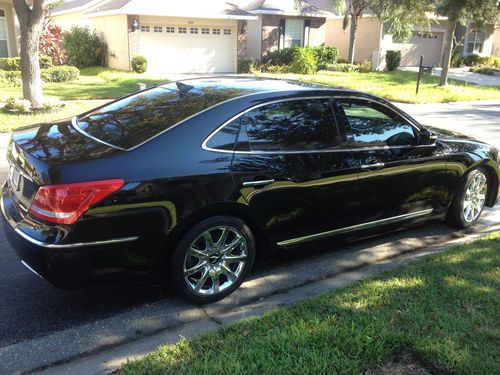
column 137, row 118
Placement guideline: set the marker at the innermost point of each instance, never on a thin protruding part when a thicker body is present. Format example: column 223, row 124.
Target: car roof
column 246, row 85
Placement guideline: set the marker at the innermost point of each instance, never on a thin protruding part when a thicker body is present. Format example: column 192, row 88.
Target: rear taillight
column 64, row 204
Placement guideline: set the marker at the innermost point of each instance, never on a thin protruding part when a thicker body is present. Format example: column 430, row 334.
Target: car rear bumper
column 122, row 261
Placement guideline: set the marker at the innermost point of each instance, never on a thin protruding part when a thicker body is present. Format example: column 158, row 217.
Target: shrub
column 51, row 104
column 456, row 61
column 471, row 60
column 83, row 47
column 342, row 67
column 247, row 65
column 365, row 67
column 139, row 64
column 325, row 55
column 304, row 62
column 276, row 69
column 392, row 59
column 280, row 56
column 45, row 62
column 17, row 105
column 60, row 74
column 10, row 78
column 483, row 70
column 51, row 41
column 10, row 63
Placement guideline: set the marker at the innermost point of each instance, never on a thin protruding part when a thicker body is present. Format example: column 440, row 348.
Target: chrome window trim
column 74, row 122
column 205, row 146
column 367, row 225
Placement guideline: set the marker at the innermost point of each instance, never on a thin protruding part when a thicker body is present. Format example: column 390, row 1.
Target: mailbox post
column 422, row 69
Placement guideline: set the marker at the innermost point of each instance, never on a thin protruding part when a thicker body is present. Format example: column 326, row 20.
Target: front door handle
column 258, row 183
column 373, row 166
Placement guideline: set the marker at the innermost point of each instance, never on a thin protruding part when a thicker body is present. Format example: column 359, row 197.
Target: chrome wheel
column 475, row 196
column 215, row 260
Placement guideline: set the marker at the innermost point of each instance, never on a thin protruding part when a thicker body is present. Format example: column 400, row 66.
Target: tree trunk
column 30, row 68
column 352, row 38
column 30, row 24
column 447, row 55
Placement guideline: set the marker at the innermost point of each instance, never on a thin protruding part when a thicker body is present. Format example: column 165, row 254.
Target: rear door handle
column 258, row 183
column 373, row 166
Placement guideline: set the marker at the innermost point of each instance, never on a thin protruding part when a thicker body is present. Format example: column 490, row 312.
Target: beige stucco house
column 209, row 36
column 8, row 32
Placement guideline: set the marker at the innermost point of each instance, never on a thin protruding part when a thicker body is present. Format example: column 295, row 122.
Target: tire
column 468, row 203
column 206, row 266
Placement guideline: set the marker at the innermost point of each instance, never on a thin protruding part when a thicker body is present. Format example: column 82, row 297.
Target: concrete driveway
column 41, row 326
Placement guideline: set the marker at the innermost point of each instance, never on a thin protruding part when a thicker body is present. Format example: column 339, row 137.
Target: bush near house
column 12, row 78
column 392, row 60
column 492, row 62
column 247, row 65
column 84, row 48
column 300, row 60
column 139, row 64
column 14, row 63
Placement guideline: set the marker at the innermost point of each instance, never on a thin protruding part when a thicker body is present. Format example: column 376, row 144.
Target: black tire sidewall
column 177, row 263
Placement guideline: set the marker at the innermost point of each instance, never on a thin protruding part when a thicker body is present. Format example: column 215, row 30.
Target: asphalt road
column 29, row 307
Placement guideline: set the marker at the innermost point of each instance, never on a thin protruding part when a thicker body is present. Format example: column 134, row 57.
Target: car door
column 399, row 177
column 292, row 166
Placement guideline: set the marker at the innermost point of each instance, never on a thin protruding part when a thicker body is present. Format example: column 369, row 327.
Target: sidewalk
column 462, row 74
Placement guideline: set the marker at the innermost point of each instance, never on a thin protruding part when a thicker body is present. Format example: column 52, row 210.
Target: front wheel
column 469, row 201
column 212, row 259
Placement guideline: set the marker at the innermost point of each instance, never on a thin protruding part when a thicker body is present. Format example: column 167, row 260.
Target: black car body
column 295, row 162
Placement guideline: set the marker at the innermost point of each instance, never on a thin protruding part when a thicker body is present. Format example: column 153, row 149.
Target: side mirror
column 427, row 137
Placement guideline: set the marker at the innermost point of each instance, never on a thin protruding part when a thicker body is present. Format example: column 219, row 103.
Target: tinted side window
column 225, row 138
column 374, row 125
column 299, row 125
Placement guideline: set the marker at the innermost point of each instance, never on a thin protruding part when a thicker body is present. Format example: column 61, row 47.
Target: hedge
column 14, row 63
column 54, row 74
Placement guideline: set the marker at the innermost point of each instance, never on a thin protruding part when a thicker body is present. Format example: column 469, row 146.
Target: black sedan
column 184, row 183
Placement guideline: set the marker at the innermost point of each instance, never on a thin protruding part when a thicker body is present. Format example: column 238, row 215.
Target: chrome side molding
column 258, row 183
column 370, row 224
column 73, row 245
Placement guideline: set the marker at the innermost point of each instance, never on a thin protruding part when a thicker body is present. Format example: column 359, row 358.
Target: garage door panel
column 427, row 44
column 188, row 52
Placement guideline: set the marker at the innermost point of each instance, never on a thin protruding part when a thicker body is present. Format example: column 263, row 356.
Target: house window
column 145, row 29
column 169, row 29
column 294, row 32
column 182, row 30
column 158, row 29
column 4, row 49
column 194, row 30
column 227, row 32
column 205, row 30
column 216, row 31
column 475, row 41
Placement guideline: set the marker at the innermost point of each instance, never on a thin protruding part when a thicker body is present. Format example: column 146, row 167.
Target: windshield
column 133, row 120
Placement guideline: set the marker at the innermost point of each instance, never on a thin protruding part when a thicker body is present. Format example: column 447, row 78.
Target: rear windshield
column 137, row 118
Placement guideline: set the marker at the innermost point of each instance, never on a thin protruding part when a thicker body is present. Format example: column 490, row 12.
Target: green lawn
column 94, row 83
column 443, row 309
column 400, row 86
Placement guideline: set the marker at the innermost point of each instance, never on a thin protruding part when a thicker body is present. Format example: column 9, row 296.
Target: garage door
column 189, row 49
column 430, row 45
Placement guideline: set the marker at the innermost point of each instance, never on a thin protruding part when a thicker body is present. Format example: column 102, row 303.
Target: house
column 8, row 32
column 209, row 36
column 285, row 23
column 190, row 36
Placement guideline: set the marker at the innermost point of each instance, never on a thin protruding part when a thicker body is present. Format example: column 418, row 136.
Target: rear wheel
column 212, row 259
column 469, row 201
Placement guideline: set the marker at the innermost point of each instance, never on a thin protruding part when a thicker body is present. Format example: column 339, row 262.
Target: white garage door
column 427, row 44
column 189, row 49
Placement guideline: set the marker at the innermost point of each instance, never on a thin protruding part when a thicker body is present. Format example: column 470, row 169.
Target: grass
column 94, row 83
column 400, row 86
column 444, row 309
column 9, row 122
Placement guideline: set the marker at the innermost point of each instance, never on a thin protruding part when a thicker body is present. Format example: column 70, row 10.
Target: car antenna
column 183, row 88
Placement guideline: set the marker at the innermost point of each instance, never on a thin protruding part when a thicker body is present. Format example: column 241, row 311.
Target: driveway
column 463, row 74
column 42, row 325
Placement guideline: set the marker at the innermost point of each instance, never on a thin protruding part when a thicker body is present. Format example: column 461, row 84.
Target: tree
column 479, row 12
column 399, row 16
column 30, row 23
